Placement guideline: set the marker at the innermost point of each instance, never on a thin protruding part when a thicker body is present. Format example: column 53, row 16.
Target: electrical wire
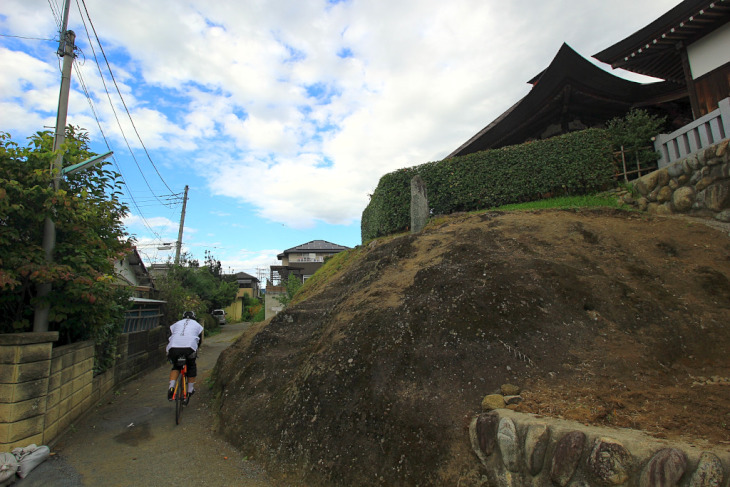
column 29, row 38
column 82, row 82
column 173, row 199
column 120, row 93
column 56, row 14
column 111, row 103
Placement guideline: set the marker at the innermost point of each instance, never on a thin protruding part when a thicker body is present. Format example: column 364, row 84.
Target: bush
column 571, row 164
column 260, row 314
column 633, row 134
column 211, row 325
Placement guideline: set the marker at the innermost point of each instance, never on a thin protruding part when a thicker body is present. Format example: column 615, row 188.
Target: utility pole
column 180, row 231
column 65, row 50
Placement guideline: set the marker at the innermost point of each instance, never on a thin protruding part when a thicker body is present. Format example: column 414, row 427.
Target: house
column 248, row 285
column 686, row 48
column 144, row 311
column 301, row 261
column 131, row 271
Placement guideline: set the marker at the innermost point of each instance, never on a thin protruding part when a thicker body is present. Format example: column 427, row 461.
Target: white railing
column 703, row 132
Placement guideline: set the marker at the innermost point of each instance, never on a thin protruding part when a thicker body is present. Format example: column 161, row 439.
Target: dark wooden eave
column 655, row 50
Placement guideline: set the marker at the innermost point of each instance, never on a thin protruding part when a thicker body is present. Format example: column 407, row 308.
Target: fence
column 700, row 134
column 622, row 165
column 43, row 390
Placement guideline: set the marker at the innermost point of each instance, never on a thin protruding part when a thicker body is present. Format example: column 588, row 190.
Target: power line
column 111, row 103
column 56, row 14
column 93, row 111
column 29, row 38
column 120, row 93
column 170, row 198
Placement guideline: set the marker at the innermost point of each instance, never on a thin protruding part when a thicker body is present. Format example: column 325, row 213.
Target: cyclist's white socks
column 191, row 387
column 172, row 383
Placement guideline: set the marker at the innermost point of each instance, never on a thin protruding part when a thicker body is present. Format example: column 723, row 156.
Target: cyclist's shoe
column 187, row 399
column 170, row 393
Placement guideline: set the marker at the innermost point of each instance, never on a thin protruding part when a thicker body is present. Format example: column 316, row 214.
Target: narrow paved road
column 132, row 440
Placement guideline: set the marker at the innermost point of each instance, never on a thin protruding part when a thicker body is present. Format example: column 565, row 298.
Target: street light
column 42, row 307
column 81, row 166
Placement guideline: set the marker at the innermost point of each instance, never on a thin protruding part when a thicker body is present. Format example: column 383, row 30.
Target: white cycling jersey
column 184, row 334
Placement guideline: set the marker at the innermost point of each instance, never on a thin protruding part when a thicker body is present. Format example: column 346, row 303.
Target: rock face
column 709, row 472
column 698, row 183
column 609, row 461
column 377, row 369
column 664, row 469
column 566, row 456
column 536, row 443
column 565, row 453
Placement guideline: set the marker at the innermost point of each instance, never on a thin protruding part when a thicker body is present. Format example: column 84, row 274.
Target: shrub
column 571, row 164
column 633, row 133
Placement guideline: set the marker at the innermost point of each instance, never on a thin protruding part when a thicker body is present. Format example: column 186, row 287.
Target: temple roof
column 653, row 51
column 570, row 85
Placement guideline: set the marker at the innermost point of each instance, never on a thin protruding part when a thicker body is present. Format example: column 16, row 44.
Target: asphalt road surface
column 131, row 438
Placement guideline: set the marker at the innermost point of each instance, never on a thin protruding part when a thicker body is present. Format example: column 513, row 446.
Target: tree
column 633, row 133
column 293, row 284
column 200, row 289
column 90, row 236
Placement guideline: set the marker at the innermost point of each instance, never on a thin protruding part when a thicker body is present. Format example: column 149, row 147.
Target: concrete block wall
column 43, row 390
column 70, row 386
column 25, row 368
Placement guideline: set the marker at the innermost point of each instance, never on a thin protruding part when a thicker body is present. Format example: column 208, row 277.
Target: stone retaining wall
column 698, row 184
column 519, row 450
column 43, row 390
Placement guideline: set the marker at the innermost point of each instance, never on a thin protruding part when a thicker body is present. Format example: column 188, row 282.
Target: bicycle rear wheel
column 179, row 397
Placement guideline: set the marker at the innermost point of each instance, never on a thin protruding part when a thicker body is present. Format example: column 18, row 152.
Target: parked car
column 219, row 315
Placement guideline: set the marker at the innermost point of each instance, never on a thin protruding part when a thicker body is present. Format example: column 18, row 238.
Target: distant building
column 301, row 261
column 248, row 285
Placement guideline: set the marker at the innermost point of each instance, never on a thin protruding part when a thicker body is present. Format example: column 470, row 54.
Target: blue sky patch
column 322, row 92
column 345, row 53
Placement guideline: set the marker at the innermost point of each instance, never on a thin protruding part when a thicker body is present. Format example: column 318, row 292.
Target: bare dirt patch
column 601, row 316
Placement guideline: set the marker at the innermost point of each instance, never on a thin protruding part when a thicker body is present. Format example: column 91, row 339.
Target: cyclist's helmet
column 189, row 314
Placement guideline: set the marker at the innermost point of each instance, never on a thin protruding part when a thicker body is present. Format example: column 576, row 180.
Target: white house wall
column 710, row 52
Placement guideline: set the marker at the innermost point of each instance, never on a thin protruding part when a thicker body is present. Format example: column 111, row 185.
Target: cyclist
column 186, row 336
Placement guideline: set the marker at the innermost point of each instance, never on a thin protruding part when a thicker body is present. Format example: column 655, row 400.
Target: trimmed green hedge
column 575, row 163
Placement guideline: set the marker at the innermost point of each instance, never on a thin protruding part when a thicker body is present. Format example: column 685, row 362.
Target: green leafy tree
column 192, row 287
column 88, row 212
column 293, row 284
column 253, row 309
column 633, row 132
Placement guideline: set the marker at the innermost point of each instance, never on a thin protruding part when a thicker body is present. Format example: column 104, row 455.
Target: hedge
column 575, row 163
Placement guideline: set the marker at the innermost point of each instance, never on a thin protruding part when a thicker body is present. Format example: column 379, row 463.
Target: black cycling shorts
column 173, row 355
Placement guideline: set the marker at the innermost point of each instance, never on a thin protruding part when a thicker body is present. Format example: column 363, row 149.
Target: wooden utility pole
column 182, row 224
column 65, row 50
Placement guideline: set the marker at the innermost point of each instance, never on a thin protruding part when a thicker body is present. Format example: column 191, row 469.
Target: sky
column 282, row 115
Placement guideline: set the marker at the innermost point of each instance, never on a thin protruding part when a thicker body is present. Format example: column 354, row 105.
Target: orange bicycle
column 180, row 394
